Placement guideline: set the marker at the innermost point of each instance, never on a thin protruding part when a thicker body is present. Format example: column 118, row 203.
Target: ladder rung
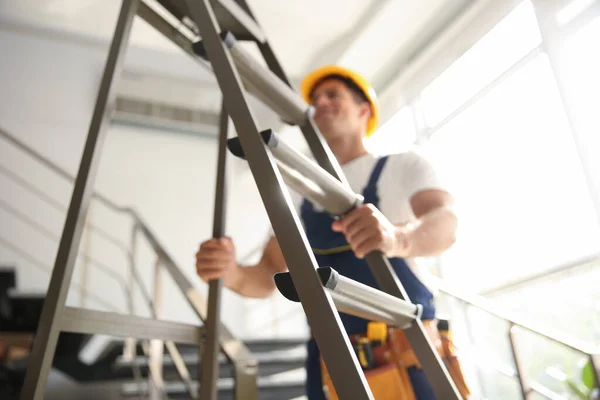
column 262, row 82
column 304, row 175
column 233, row 18
column 107, row 323
column 229, row 14
column 356, row 298
column 311, row 191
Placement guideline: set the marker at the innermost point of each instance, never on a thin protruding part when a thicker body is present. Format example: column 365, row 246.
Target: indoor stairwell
column 122, row 369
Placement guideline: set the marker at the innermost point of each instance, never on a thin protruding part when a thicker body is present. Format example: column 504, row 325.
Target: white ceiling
column 303, row 33
column 374, row 37
column 91, row 18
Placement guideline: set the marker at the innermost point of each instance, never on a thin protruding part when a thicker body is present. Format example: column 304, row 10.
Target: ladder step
column 296, row 169
column 262, row 82
column 230, row 15
column 81, row 320
column 356, row 298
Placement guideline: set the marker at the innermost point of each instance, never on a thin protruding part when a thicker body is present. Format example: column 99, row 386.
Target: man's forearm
column 430, row 235
column 253, row 281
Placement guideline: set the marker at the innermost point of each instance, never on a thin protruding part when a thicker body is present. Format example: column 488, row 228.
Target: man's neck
column 347, row 150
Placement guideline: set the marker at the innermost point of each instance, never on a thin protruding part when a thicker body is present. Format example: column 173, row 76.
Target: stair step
column 256, row 345
column 265, row 345
column 265, row 368
column 268, row 388
column 270, row 363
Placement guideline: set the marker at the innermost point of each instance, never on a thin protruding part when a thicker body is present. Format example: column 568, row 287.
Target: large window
column 581, row 73
column 522, row 199
column 497, row 127
column 511, row 39
column 510, row 158
column 395, row 135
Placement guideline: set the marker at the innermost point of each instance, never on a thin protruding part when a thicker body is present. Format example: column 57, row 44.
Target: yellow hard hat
column 309, row 82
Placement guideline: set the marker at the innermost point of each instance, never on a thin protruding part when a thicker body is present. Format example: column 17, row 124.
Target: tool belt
column 386, row 357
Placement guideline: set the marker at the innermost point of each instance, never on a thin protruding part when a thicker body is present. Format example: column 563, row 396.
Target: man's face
column 337, row 111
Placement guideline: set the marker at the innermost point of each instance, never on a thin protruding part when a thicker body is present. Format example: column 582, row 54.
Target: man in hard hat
column 406, row 214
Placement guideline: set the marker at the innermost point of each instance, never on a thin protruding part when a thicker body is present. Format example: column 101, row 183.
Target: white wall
column 48, row 89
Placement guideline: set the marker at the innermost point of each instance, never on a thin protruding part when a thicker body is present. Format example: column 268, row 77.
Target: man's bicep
column 429, row 199
column 420, row 181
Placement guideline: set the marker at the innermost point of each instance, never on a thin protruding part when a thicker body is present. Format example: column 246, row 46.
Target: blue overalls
column 332, row 250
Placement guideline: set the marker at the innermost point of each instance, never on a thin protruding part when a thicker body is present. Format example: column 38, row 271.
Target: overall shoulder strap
column 377, row 171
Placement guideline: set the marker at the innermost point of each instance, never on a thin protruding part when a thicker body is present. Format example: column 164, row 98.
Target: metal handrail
column 91, row 227
column 48, row 269
column 47, row 233
column 505, row 370
column 549, row 274
column 19, row 180
column 480, row 303
column 592, row 352
column 234, row 349
column 56, row 169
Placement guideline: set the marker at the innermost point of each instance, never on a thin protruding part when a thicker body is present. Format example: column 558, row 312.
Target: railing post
column 595, row 361
column 182, row 369
column 49, row 326
column 524, row 381
column 156, row 384
column 130, row 345
column 129, row 349
column 246, row 387
column 85, row 264
column 471, row 338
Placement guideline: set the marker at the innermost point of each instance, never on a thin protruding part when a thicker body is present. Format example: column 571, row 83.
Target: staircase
column 19, row 319
column 276, row 358
column 113, row 374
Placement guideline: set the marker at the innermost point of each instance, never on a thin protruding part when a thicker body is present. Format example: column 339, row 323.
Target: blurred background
column 502, row 95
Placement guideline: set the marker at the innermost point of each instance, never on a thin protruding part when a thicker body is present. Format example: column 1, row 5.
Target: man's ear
column 365, row 109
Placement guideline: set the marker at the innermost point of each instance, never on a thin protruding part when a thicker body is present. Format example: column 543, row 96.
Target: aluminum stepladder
column 237, row 72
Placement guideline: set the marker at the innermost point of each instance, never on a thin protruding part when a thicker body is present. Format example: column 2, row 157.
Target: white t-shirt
column 403, row 175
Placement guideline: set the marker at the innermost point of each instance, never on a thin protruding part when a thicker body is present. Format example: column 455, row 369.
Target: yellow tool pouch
column 453, row 364
column 389, row 379
column 387, row 382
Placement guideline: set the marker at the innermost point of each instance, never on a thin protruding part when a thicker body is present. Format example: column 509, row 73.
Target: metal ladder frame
column 334, row 344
